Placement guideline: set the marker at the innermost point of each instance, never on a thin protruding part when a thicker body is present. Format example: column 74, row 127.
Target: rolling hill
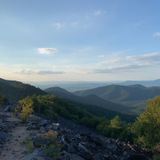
column 91, row 102
column 15, row 90
column 134, row 96
column 149, row 83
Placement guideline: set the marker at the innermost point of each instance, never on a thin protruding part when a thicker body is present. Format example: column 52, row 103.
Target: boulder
column 137, row 156
column 3, row 137
column 84, row 152
column 40, row 142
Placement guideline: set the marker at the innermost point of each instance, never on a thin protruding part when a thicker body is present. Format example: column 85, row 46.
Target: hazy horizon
column 82, row 85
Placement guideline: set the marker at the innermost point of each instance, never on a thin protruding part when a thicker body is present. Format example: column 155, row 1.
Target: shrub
column 147, row 125
column 53, row 150
column 25, row 107
column 3, row 100
column 29, row 145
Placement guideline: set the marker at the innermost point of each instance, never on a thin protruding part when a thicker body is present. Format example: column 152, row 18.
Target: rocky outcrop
column 84, row 145
column 64, row 140
column 5, row 128
column 96, row 147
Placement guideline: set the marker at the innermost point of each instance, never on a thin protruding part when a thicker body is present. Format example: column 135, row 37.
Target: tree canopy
column 147, row 126
column 3, row 100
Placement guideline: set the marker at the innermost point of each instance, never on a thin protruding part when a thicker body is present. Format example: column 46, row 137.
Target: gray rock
column 84, row 152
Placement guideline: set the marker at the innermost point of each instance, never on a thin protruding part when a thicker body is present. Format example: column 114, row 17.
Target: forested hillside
column 133, row 96
column 15, row 90
column 91, row 100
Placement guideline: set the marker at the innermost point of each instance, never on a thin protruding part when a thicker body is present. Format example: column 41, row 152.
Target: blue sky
column 79, row 40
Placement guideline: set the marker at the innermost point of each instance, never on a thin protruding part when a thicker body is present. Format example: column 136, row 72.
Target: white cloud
column 48, row 72
column 59, row 25
column 98, row 12
column 39, row 72
column 65, row 24
column 127, row 63
column 74, row 23
column 47, row 51
column 24, row 71
column 79, row 22
column 156, row 35
column 101, row 56
column 116, row 66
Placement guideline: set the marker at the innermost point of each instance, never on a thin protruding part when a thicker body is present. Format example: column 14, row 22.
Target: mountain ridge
column 132, row 95
column 90, row 100
column 15, row 90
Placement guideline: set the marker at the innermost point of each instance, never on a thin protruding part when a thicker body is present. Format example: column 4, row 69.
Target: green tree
column 116, row 122
column 147, row 125
column 103, row 126
column 26, row 107
column 3, row 100
column 90, row 121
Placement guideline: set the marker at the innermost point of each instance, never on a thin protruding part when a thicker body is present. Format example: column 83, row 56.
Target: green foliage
column 53, row 107
column 53, row 149
column 147, row 125
column 29, row 145
column 14, row 90
column 3, row 100
column 90, row 121
column 156, row 157
column 145, row 131
column 25, row 107
column 103, row 126
column 116, row 122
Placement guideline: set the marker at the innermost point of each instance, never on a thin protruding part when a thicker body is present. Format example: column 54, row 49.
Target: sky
column 79, row 40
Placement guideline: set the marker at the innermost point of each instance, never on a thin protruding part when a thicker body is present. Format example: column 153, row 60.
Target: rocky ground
column 41, row 139
column 14, row 134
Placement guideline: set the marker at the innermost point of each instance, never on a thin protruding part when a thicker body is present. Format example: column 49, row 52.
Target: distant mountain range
column 84, row 85
column 92, row 103
column 15, row 90
column 71, row 85
column 133, row 96
column 149, row 83
column 88, row 99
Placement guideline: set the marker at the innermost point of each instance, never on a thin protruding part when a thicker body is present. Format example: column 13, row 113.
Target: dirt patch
column 14, row 148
